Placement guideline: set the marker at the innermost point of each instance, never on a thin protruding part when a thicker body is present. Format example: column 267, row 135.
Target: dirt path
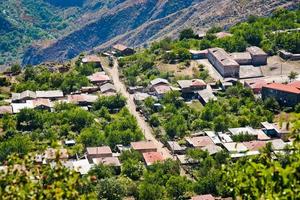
column 147, row 130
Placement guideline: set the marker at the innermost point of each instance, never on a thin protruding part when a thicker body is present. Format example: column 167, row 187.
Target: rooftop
column 162, row 89
column 282, row 87
column 256, row 84
column 241, row 56
column 141, row 96
column 106, row 87
column 91, row 58
column 212, row 149
column 81, row 166
column 255, row 145
column 158, row 81
column 98, row 77
column 152, row 157
column 200, row 141
column 98, row 150
column 203, row 197
column 6, row 109
column 77, row 98
column 256, row 51
column 235, row 147
column 51, row 153
column 120, row 47
column 207, row 95
column 111, row 161
column 49, row 94
column 295, row 84
column 223, row 57
column 143, row 145
column 191, row 83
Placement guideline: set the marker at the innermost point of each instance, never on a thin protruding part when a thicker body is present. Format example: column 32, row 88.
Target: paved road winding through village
column 147, row 130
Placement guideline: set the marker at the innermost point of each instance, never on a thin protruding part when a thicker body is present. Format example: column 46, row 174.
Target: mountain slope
column 138, row 22
column 74, row 26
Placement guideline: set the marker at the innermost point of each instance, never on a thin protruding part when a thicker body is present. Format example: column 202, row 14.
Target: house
column 151, row 158
column 278, row 144
column 82, row 99
column 98, row 152
column 222, row 34
column 255, row 85
column 161, row 90
column 286, row 95
column 107, row 88
column 225, row 138
column 259, row 57
column 139, row 97
column 242, row 130
column 199, row 142
column 122, row 50
column 242, row 58
column 191, row 86
column 144, row 146
column 51, row 94
column 270, row 129
column 175, row 148
column 108, row 161
column 134, row 89
column 212, row 149
column 23, row 96
column 201, row 35
column 288, row 55
column 295, row 84
column 52, row 154
column 89, row 89
column 235, row 147
column 82, row 166
column 5, row 110
column 203, row 197
column 225, row 65
column 205, row 96
column 99, row 78
column 92, row 59
column 185, row 160
column 198, row 54
column 41, row 104
column 17, row 107
column 255, row 145
column 157, row 82
column 213, row 136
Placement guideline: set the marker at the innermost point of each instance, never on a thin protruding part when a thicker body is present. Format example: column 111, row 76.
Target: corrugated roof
column 91, row 58
column 98, row 150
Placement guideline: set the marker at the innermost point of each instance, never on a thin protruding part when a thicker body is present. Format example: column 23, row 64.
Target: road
column 147, row 130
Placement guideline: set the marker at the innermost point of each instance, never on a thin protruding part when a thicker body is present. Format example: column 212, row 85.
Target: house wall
column 225, row 71
column 259, row 59
column 283, row 98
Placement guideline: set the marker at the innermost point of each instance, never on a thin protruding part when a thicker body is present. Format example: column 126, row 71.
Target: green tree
column 187, row 34
column 177, row 186
column 110, row 189
column 132, row 169
column 15, row 68
column 292, row 76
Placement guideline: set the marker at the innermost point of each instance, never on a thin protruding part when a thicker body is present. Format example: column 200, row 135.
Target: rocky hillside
column 99, row 24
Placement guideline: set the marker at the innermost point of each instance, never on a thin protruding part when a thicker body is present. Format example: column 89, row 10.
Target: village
column 227, row 70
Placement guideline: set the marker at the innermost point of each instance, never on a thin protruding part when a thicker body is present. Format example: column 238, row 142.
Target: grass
column 195, row 104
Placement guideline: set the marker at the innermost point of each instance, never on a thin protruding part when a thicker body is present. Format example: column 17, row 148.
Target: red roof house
column 152, row 157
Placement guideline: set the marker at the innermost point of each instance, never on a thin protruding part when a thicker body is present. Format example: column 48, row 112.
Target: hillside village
column 124, row 105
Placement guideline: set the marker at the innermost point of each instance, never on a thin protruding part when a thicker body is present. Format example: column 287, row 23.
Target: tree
column 133, row 169
column 292, row 76
column 187, row 34
column 91, row 137
column 110, row 189
column 102, row 171
column 272, row 104
column 24, row 180
column 15, row 68
column 150, row 191
column 177, row 186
